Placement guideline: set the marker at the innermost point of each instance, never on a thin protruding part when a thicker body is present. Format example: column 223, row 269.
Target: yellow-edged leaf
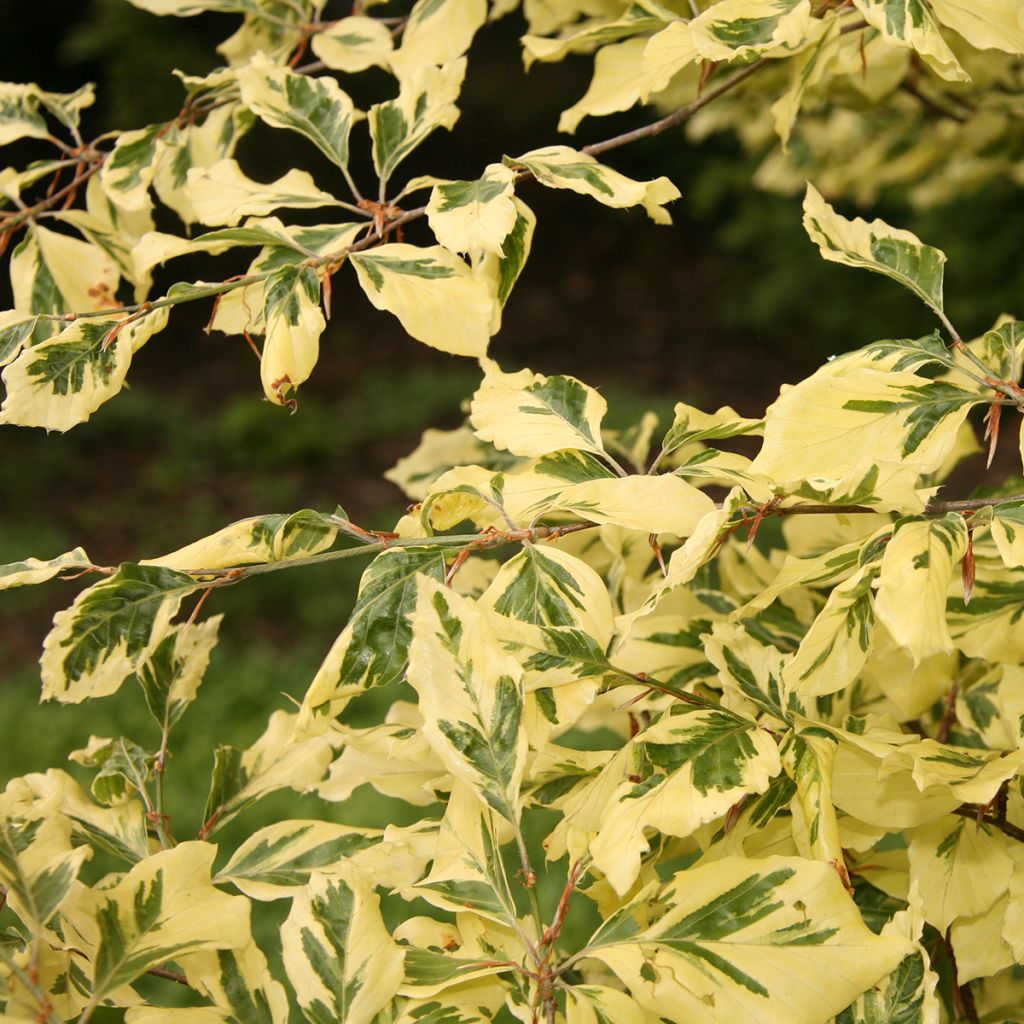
column 341, row 962
column 562, row 167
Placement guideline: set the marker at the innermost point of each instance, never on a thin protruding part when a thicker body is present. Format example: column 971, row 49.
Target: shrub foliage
column 766, row 708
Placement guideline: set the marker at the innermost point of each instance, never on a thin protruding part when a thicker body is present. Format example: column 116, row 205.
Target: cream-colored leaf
column 665, row 55
column 294, row 323
column 474, row 216
column 962, row 869
column 596, row 1004
column 434, row 295
column 38, row 866
column 986, row 24
column 280, row 759
column 809, row 759
column 342, row 963
column 529, row 414
column 652, row 504
column 886, row 797
column 128, row 171
column 973, row 776
column 916, row 573
column 546, row 586
column 55, row 273
column 354, row 44
column 222, row 194
column 276, row 860
column 912, row 24
column 437, row 32
column 808, row 69
column 35, row 570
column 847, row 422
column 110, row 628
column 1008, row 533
column 440, row 451
column 838, row 642
column 616, row 84
column 121, row 829
column 394, row 758
column 562, row 167
column 170, row 677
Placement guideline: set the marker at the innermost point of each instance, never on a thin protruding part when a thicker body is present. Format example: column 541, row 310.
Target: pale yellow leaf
column 616, row 84
column 353, row 44
column 962, row 869
column 916, row 574
column 438, row 31
column 434, row 295
column 222, row 194
column 474, row 216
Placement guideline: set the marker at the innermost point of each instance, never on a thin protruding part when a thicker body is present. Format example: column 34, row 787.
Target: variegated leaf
column 277, row 859
column 912, row 24
column 961, row 868
column 269, row 538
column 695, row 767
column 38, row 866
column 916, row 572
column 838, row 642
column 163, row 908
column 616, row 84
column 734, row 29
column 34, row 570
column 110, row 629
column 529, row 414
column 279, row 759
column 222, row 194
column 898, row 254
column 340, row 959
column 314, row 107
column 65, row 379
column 120, row 830
column 239, row 984
column 847, row 423
column 373, row 648
column 437, row 32
column 353, row 44
column 474, row 216
column 171, row 675
column 562, row 167
column 426, row 101
column 776, row 940
column 435, row 295
column 470, row 695
column 294, row 324
column 468, row 872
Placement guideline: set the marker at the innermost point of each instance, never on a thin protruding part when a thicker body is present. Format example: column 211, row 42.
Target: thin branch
column 972, row 811
column 163, row 972
column 680, row 116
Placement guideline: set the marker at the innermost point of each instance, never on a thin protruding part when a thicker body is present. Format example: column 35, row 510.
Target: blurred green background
column 722, row 307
